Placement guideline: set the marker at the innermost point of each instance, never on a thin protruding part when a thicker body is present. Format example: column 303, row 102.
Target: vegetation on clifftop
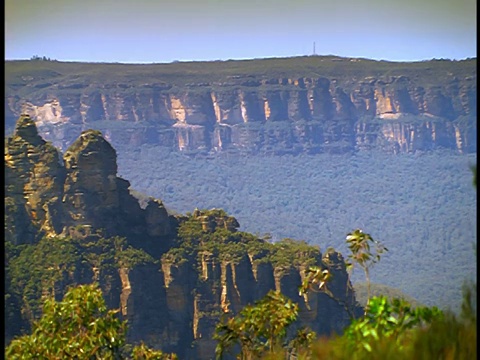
column 74, row 76
column 389, row 328
column 45, row 271
column 51, row 266
column 214, row 232
column 421, row 206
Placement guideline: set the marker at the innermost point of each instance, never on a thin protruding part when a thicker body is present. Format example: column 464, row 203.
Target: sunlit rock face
column 263, row 114
column 171, row 303
column 34, row 176
column 50, row 194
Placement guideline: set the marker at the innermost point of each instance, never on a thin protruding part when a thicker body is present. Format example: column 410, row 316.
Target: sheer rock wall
column 262, row 114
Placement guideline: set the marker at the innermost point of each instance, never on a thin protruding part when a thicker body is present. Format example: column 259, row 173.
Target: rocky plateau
column 293, row 105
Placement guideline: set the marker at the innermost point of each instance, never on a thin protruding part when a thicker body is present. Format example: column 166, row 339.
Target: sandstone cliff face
column 34, row 176
column 202, row 289
column 174, row 299
column 52, row 196
column 79, row 196
column 225, row 287
column 173, row 304
column 294, row 114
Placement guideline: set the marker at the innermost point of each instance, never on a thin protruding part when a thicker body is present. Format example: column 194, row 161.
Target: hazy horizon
column 143, row 31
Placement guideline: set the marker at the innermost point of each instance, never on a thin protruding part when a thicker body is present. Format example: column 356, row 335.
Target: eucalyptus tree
column 80, row 326
column 365, row 252
column 257, row 329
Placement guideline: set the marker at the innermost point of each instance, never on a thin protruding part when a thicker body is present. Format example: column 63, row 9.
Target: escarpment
column 171, row 277
column 315, row 104
column 233, row 269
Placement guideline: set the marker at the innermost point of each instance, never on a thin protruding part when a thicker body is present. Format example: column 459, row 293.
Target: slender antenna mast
column 314, row 48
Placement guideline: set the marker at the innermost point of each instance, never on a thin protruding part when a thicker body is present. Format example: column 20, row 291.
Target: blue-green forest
column 422, row 206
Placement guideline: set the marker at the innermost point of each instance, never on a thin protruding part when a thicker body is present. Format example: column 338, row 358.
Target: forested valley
column 422, row 206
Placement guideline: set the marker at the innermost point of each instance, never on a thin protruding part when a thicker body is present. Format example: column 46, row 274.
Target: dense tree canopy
column 80, row 326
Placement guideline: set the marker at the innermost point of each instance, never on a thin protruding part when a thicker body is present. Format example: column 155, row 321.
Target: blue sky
column 148, row 31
